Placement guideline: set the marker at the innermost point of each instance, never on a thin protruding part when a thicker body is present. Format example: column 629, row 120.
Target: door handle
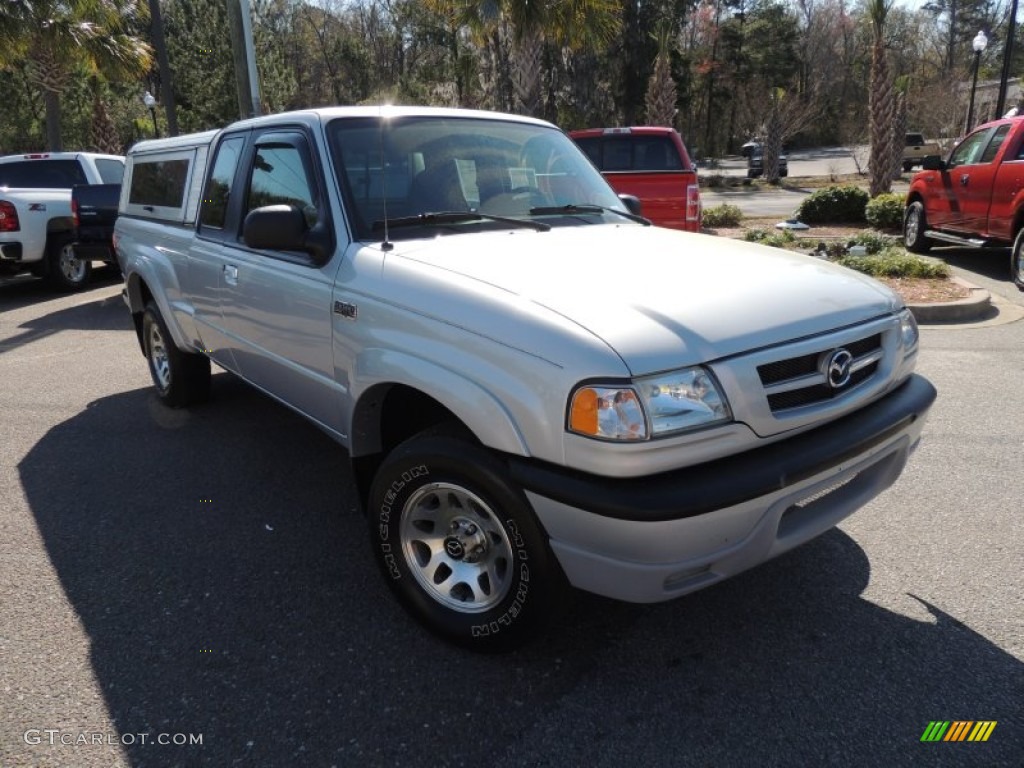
column 231, row 274
column 963, row 179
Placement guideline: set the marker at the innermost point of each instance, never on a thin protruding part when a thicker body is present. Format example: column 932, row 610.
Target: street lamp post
column 979, row 43
column 150, row 102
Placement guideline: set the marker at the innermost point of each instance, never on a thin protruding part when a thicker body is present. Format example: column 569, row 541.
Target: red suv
column 652, row 164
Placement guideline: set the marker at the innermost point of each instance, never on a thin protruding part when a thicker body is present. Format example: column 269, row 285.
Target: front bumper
column 654, row 538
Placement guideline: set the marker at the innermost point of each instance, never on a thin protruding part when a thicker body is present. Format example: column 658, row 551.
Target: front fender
column 479, row 409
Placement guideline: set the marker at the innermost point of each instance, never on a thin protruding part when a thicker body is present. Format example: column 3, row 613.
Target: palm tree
column 52, row 39
column 880, row 101
column 899, row 126
column 572, row 24
column 661, row 88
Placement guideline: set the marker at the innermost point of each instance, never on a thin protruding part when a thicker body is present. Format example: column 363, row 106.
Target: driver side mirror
column 284, row 228
column 933, row 163
column 632, row 203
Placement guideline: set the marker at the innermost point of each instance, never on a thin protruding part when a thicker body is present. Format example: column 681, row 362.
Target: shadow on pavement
column 993, row 263
column 220, row 568
column 106, row 314
column 24, row 290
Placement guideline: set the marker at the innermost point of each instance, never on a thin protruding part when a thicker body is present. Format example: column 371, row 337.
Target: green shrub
column 723, row 215
column 777, row 239
column 895, row 262
column 834, row 205
column 873, row 241
column 781, row 239
column 885, row 211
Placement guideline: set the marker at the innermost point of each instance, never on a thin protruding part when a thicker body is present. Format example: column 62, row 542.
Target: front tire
column 181, row 378
column 458, row 543
column 1017, row 260
column 914, row 226
column 65, row 270
column 908, row 167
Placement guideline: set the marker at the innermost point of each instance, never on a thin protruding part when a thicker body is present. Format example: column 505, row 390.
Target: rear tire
column 1017, row 260
column 458, row 543
column 65, row 270
column 914, row 226
column 181, row 378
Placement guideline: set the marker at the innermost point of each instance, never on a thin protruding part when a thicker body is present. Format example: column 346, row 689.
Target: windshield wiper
column 587, row 208
column 454, row 217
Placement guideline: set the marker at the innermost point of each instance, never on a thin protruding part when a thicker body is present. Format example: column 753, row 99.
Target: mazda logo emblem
column 837, row 372
column 454, row 548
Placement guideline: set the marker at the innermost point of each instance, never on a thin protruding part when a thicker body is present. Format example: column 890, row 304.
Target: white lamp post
column 979, row 43
column 150, row 102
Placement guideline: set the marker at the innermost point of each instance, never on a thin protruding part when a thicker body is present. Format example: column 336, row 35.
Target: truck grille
column 799, row 381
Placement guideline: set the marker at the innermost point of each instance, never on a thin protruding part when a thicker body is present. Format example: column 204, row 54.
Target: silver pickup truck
column 536, row 388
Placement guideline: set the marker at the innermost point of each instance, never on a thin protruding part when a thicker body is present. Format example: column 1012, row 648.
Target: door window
column 970, row 149
column 279, row 177
column 218, row 187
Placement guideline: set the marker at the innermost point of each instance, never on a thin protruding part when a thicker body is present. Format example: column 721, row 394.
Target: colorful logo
column 958, row 730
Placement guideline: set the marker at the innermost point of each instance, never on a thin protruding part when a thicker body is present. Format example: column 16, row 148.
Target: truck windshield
column 416, row 167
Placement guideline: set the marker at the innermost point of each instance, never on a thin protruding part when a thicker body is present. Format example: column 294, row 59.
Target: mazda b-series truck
column 535, row 387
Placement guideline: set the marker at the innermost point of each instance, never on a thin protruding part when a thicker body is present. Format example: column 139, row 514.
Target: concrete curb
column 977, row 306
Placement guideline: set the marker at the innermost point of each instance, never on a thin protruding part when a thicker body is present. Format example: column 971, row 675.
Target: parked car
column 917, row 149
column 94, row 211
column 652, row 164
column 36, row 222
column 534, row 385
column 974, row 198
column 755, row 163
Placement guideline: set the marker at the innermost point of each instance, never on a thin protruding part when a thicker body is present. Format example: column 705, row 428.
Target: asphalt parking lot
column 182, row 575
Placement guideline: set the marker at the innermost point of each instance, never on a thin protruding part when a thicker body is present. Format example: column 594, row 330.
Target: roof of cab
column 384, row 110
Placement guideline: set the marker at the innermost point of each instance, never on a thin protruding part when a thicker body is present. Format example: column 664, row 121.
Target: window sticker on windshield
column 522, row 177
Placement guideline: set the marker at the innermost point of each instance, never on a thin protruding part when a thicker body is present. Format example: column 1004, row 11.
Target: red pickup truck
column 652, row 163
column 974, row 198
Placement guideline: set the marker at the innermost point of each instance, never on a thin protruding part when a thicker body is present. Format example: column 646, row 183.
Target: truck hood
column 659, row 298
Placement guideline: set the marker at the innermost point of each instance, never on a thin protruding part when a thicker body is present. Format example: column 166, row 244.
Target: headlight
column 649, row 407
column 908, row 330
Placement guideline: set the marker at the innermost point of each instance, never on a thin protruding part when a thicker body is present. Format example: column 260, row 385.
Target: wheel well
column 1018, row 224
column 59, row 226
column 145, row 296
column 387, row 415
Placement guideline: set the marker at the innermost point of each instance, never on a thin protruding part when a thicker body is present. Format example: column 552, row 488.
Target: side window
column 157, row 184
column 218, row 187
column 970, row 149
column 279, row 177
column 111, row 171
column 993, row 146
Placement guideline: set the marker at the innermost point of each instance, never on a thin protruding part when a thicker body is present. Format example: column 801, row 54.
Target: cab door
column 218, row 220
column 978, row 183
column 949, row 208
column 276, row 306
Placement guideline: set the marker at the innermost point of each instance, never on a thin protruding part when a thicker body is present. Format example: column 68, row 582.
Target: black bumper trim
column 731, row 480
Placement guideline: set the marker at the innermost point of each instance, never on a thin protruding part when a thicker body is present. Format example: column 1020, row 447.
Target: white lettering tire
column 459, row 544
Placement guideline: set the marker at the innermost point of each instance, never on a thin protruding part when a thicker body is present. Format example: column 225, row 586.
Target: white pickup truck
column 36, row 220
column 535, row 387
